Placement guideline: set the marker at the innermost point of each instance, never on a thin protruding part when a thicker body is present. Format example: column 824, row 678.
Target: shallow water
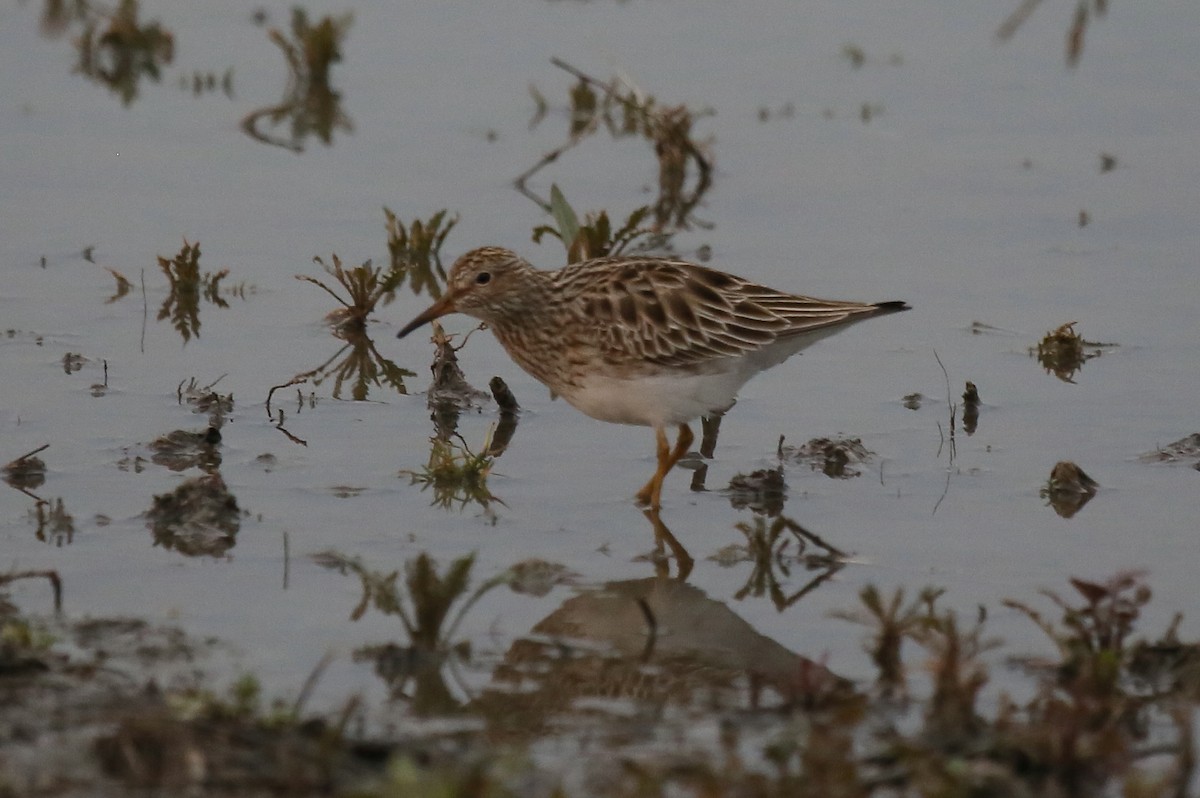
column 962, row 195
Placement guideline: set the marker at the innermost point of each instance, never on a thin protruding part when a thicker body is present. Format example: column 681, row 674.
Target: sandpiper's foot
column 651, row 492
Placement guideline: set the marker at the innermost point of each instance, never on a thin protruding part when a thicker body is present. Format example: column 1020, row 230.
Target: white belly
column 658, row 401
column 678, row 397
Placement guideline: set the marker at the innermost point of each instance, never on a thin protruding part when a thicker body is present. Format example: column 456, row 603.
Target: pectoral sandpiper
column 637, row 340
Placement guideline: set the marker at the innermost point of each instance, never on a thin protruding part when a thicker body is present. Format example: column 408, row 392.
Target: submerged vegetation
column 1109, row 711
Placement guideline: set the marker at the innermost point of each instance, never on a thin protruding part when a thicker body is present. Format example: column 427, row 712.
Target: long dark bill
column 437, row 309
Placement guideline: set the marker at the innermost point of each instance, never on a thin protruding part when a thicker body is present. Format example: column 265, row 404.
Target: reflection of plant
column 1063, row 352
column 201, row 83
column 124, row 52
column 894, row 621
column 768, row 548
column 625, row 111
column 200, row 516
column 422, row 604
column 594, row 238
column 310, row 102
column 364, row 366
column 456, row 474
column 54, row 524
column 123, row 286
column 763, row 491
column 1075, row 34
column 415, row 252
column 187, row 287
column 59, row 15
column 430, row 595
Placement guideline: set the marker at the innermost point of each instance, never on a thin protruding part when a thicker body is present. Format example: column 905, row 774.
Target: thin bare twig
column 27, row 455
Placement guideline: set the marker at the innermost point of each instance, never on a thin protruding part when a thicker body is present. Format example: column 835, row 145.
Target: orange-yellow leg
column 651, row 492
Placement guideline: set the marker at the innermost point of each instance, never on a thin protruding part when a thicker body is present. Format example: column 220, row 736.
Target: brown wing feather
column 674, row 313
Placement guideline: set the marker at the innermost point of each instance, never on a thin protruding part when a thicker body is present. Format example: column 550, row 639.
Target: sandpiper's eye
column 483, row 278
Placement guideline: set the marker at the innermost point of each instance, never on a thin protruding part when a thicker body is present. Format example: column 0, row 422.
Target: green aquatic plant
column 594, row 237
column 365, row 285
column 1094, row 637
column 764, row 491
column 23, row 635
column 204, row 400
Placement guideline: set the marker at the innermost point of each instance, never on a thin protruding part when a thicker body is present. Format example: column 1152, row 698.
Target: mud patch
column 836, row 458
column 200, row 517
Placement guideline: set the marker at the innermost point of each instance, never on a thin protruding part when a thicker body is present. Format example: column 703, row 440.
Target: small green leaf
column 564, row 215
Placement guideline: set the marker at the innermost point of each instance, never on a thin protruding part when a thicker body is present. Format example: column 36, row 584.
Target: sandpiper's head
column 485, row 283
